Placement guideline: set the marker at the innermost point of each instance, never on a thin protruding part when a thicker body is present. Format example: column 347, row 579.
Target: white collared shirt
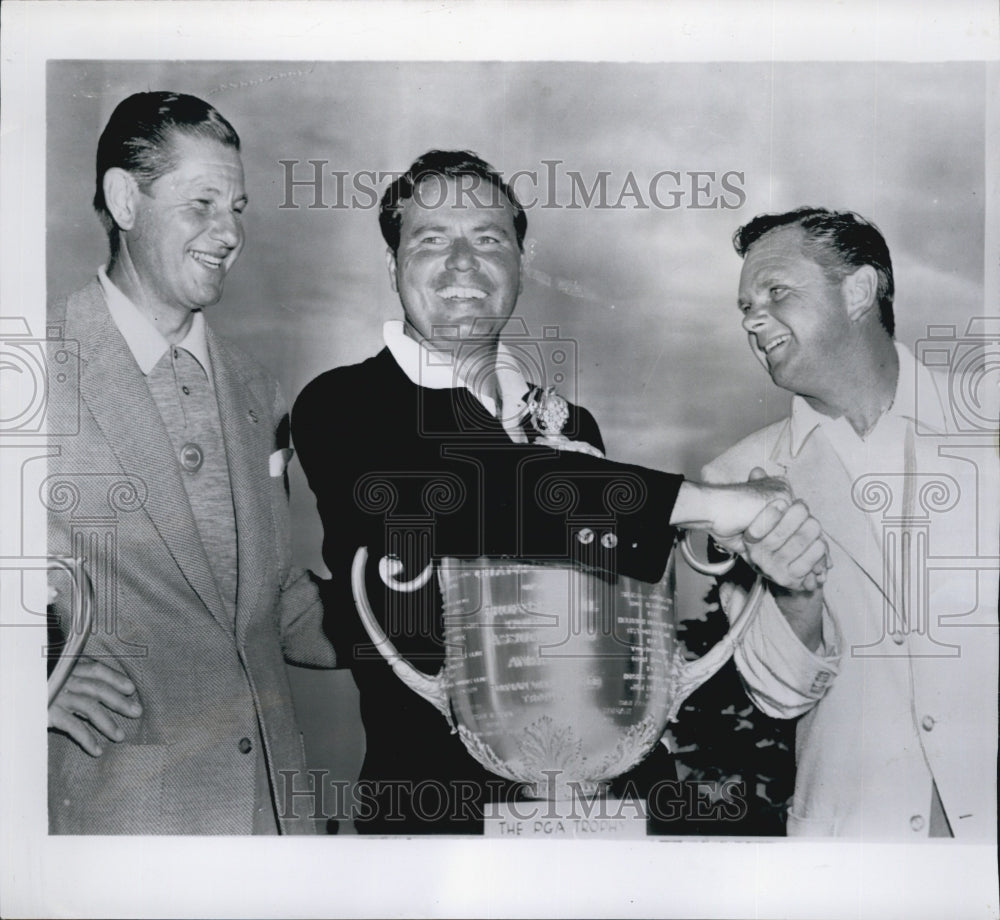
column 882, row 447
column 437, row 369
column 144, row 340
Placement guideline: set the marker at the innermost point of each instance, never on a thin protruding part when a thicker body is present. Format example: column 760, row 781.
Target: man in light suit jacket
column 892, row 664
column 173, row 493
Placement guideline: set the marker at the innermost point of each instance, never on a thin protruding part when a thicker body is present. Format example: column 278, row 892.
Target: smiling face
column 458, row 266
column 187, row 229
column 797, row 320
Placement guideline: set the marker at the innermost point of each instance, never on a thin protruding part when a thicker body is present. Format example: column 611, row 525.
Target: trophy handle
column 431, row 689
column 694, row 673
column 705, row 568
column 83, row 616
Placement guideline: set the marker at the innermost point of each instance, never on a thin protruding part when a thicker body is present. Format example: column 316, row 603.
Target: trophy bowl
column 556, row 676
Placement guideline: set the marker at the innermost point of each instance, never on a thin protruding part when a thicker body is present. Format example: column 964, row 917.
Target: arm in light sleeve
column 301, row 593
column 782, row 677
column 303, row 640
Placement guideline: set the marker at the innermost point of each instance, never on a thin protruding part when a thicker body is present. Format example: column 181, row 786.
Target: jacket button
column 917, row 822
column 927, row 723
column 192, row 457
column 609, row 540
column 245, row 746
column 585, row 535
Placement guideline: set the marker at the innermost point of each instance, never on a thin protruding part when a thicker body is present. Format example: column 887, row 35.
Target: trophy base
column 556, row 789
column 578, row 818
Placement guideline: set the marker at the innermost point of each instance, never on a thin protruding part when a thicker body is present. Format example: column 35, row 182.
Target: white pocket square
column 278, row 461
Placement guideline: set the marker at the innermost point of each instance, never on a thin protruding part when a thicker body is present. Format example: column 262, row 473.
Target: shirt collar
column 144, row 340
column 435, row 369
column 913, row 379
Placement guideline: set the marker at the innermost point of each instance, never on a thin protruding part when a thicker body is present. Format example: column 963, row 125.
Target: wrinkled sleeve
column 303, row 641
column 782, row 677
column 301, row 593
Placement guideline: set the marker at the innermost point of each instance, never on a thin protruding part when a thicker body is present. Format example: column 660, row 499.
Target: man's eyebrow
column 762, row 278
column 492, row 225
column 765, row 277
column 198, row 187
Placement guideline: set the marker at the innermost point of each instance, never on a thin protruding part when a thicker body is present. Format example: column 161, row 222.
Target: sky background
column 645, row 297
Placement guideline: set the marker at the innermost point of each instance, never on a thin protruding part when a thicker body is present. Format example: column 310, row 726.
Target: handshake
column 761, row 521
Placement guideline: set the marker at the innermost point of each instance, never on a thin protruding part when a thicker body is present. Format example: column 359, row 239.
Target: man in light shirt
column 893, row 666
column 173, row 495
column 440, row 446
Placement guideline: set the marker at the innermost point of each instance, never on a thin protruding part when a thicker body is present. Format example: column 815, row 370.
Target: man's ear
column 390, row 264
column 860, row 290
column 121, row 194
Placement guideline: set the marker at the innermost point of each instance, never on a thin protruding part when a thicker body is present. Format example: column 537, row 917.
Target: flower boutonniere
column 549, row 413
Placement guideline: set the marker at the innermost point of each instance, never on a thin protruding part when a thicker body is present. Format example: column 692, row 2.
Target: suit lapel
column 116, row 393
column 818, row 477
column 247, row 432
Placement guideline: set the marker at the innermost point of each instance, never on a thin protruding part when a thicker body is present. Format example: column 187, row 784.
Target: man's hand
column 82, row 709
column 786, row 544
column 726, row 511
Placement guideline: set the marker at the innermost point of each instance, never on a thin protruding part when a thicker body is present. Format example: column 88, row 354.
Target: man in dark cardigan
column 440, row 446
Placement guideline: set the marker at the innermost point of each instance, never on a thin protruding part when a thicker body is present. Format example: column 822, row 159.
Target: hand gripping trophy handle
column 434, row 689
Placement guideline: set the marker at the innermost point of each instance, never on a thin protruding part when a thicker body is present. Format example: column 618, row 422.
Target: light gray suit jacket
column 116, row 500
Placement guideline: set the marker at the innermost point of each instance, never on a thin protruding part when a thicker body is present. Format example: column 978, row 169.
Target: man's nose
column 227, row 229
column 461, row 256
column 754, row 318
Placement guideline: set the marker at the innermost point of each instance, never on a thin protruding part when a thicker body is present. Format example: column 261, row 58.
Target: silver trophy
column 556, row 676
